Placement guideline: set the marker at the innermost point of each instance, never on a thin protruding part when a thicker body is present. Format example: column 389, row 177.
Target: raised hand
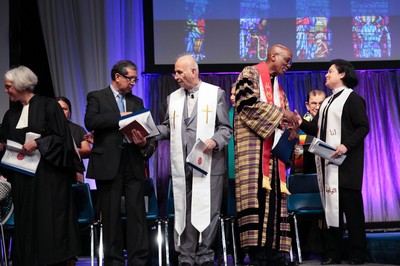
column 298, row 117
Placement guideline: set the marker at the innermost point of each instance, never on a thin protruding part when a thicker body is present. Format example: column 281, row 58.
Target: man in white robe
column 197, row 110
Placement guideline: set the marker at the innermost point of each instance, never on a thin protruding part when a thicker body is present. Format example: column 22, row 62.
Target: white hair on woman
column 22, row 77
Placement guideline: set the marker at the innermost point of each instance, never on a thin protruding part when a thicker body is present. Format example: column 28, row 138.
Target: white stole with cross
column 330, row 192
column 201, row 191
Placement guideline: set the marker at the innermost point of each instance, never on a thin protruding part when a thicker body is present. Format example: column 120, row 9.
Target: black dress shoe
column 330, row 261
column 356, row 262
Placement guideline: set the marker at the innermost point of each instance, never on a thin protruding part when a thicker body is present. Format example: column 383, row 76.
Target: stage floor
column 383, row 249
column 86, row 262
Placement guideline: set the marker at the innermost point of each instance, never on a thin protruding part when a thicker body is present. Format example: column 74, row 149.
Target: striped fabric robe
column 254, row 122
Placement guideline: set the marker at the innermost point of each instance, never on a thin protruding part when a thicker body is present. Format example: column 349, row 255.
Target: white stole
column 275, row 92
column 330, row 192
column 176, row 104
column 277, row 97
column 201, row 191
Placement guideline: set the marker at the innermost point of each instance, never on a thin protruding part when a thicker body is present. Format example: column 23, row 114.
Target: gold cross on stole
column 173, row 118
column 207, row 111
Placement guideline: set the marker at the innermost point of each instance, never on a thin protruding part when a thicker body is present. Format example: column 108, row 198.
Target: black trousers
column 110, row 193
column 351, row 205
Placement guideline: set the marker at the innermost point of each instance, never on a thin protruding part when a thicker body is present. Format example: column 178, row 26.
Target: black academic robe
column 46, row 229
column 78, row 134
column 355, row 127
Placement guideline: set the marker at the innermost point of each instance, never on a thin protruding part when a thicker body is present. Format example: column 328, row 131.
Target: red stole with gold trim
column 267, row 143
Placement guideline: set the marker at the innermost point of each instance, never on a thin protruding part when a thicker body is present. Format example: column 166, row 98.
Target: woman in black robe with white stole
column 342, row 122
column 46, row 229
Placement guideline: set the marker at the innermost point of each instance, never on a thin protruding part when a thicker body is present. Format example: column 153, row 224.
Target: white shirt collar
column 338, row 89
column 114, row 91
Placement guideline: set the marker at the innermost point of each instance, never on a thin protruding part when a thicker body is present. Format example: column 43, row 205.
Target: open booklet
column 199, row 160
column 282, row 147
column 325, row 151
column 16, row 160
column 142, row 121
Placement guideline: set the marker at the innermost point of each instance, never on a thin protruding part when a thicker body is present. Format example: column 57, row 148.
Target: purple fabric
column 381, row 91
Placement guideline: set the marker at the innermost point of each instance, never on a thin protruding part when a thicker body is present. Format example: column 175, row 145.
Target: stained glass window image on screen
column 371, row 29
column 224, row 33
column 195, row 28
column 313, row 35
column 313, row 38
column 254, row 30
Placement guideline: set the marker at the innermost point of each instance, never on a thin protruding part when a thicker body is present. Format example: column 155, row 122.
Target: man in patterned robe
column 261, row 193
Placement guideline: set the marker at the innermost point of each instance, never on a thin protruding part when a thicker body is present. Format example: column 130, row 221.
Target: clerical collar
column 334, row 91
column 194, row 90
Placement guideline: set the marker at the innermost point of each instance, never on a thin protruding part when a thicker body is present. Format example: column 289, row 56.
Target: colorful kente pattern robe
column 255, row 121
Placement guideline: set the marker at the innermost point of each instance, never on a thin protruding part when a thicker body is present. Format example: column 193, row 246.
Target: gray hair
column 22, row 77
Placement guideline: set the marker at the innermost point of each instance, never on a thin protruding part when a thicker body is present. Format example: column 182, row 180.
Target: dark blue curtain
column 379, row 88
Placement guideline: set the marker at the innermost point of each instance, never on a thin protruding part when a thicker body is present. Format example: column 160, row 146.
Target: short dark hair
column 350, row 79
column 121, row 68
column 65, row 99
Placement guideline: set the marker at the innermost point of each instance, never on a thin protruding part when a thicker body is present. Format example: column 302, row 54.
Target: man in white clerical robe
column 197, row 110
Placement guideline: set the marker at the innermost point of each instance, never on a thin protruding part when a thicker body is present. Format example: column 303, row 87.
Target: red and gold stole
column 267, row 167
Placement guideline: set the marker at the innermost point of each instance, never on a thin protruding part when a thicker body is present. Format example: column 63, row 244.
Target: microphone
column 192, row 95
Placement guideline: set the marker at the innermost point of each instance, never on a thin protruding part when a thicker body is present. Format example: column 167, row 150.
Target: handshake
column 292, row 121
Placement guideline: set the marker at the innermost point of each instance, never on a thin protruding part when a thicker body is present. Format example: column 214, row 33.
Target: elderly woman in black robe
column 46, row 229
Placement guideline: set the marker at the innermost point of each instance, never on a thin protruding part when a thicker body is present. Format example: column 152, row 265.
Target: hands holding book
column 340, row 150
column 29, row 147
column 138, row 138
column 209, row 145
column 138, row 126
column 328, row 152
column 125, row 113
column 200, row 156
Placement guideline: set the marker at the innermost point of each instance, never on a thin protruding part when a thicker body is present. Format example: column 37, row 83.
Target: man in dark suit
column 118, row 166
column 314, row 100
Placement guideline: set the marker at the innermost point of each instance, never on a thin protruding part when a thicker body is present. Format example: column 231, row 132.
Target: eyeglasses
column 180, row 72
column 314, row 104
column 131, row 79
column 288, row 60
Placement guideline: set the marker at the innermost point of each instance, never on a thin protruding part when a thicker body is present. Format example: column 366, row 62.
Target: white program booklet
column 16, row 160
column 198, row 159
column 325, row 151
